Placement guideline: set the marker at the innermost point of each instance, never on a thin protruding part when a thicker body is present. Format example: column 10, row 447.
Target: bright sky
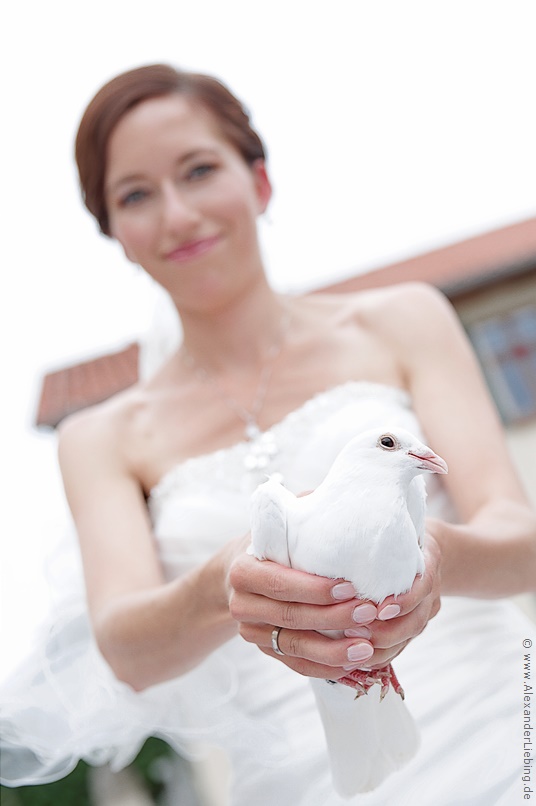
column 392, row 128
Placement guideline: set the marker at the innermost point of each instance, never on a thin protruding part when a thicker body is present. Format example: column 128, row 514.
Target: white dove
column 364, row 523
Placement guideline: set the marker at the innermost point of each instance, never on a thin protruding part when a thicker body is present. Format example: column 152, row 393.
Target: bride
column 158, row 480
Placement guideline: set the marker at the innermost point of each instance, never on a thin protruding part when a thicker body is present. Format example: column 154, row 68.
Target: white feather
column 364, row 523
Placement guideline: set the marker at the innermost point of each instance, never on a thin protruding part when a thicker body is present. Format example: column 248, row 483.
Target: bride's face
column 181, row 200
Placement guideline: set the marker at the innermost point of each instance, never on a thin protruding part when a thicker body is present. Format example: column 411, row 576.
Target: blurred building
column 491, row 281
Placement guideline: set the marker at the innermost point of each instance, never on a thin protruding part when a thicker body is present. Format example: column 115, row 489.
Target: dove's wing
column 416, row 503
column 268, row 517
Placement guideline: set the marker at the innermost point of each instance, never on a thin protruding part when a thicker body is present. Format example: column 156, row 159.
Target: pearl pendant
column 252, row 432
column 262, row 449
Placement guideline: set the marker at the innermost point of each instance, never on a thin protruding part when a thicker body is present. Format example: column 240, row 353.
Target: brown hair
column 123, row 93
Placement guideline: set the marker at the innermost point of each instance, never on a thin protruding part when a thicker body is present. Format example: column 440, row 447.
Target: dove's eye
column 388, row 442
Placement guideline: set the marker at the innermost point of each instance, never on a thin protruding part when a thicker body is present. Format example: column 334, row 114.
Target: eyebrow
column 125, row 180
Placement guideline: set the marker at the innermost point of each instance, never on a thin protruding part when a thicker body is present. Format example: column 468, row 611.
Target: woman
column 158, row 480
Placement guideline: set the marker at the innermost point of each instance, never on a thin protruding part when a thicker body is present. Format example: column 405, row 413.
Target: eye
column 388, row 442
column 200, row 171
column 133, row 197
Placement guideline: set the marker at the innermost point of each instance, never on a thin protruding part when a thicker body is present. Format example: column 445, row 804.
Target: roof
column 460, row 267
column 84, row 384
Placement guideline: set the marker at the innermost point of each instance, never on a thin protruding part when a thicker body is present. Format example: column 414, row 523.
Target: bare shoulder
column 414, row 318
column 403, row 317
column 404, row 304
column 106, row 498
column 390, row 304
column 97, row 439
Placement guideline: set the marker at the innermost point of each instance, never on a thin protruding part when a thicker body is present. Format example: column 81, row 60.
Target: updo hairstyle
column 129, row 89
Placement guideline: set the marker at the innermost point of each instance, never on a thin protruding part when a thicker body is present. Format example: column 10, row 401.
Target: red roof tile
column 72, row 388
column 460, row 267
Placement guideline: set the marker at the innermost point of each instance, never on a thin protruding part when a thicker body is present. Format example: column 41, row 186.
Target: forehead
column 168, row 110
column 158, row 126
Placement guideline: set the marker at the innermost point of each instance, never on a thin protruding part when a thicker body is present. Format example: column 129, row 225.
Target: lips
column 431, row 461
column 192, row 249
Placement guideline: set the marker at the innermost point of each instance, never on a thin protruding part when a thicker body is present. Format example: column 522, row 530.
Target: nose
column 177, row 211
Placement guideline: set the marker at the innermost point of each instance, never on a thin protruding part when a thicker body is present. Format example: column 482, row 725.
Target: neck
column 240, row 334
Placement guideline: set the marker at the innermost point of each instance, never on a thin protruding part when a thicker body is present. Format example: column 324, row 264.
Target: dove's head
column 397, row 449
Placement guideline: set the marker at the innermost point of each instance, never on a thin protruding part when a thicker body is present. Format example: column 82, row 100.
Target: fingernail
column 360, row 652
column 364, row 613
column 344, row 590
column 358, row 632
column 388, row 612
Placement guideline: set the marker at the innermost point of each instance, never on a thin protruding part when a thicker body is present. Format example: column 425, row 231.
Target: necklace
column 262, row 445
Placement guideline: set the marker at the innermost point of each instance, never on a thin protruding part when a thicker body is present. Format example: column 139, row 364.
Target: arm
column 493, row 550
column 143, row 625
column 492, row 555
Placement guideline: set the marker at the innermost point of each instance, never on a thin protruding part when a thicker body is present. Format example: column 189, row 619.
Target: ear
column 263, row 186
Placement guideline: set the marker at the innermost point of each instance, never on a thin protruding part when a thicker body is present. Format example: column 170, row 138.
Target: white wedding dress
column 462, row 676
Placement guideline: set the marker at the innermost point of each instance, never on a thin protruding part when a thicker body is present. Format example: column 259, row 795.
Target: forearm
column 153, row 635
column 492, row 555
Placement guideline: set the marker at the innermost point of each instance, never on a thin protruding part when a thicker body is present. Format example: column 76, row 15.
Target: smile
column 192, row 249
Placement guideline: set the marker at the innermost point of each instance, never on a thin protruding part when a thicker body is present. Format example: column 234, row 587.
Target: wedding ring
column 275, row 640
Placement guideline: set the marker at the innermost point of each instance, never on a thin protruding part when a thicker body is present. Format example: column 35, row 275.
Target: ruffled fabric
column 65, row 704
column 462, row 677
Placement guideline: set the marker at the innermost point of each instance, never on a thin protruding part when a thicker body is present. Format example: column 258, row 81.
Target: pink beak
column 431, row 461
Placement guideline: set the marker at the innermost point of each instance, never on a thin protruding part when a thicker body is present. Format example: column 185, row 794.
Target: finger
column 380, row 658
column 395, row 606
column 286, row 584
column 424, row 586
column 387, row 634
column 310, row 645
column 306, row 667
column 313, row 646
column 252, row 608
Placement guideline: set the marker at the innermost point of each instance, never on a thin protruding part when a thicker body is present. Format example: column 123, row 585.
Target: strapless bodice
column 203, row 502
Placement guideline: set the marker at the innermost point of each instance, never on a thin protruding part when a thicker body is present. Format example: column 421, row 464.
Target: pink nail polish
column 388, row 612
column 364, row 613
column 344, row 590
column 360, row 652
column 358, row 632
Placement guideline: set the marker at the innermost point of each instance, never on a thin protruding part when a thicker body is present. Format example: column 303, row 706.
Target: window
column 506, row 346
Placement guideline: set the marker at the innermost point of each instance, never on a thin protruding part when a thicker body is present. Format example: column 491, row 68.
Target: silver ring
column 275, row 640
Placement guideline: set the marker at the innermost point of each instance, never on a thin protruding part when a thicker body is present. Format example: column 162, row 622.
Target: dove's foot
column 362, row 681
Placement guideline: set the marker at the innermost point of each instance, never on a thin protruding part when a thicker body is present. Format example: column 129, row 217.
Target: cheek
column 240, row 209
column 132, row 238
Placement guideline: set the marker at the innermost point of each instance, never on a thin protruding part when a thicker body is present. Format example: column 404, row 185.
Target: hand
column 392, row 631
column 265, row 594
